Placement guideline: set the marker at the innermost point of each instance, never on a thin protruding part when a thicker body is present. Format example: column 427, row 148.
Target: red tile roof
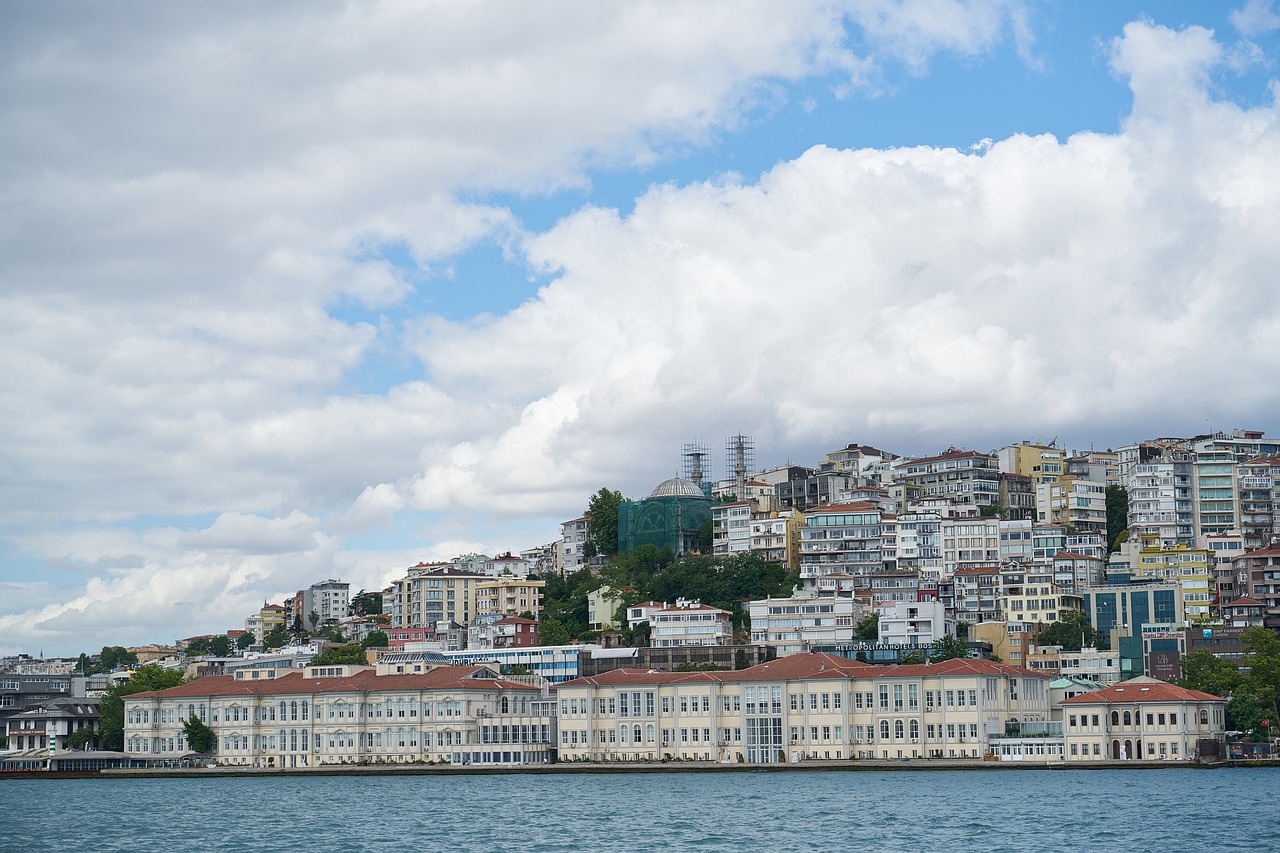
column 445, row 677
column 808, row 665
column 1245, row 601
column 1142, row 690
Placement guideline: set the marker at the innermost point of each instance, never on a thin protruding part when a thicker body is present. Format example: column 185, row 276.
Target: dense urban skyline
column 322, row 291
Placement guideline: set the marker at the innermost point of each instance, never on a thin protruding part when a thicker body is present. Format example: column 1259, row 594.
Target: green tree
column 740, row 660
column 551, row 632
column 690, row 666
column 602, row 522
column 1202, row 670
column 1071, row 629
column 517, row 669
column 244, row 641
column 868, row 629
column 111, row 710
column 366, row 603
column 81, row 738
column 1262, row 648
column 197, row 647
column 200, row 738
column 1117, row 499
column 912, row 656
column 115, row 657
column 962, row 629
column 706, row 536
column 275, row 638
column 1246, row 712
column 947, row 648
column 375, row 640
column 313, row 619
column 220, row 646
column 349, row 654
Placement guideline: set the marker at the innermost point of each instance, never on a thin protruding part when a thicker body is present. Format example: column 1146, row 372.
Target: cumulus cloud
column 167, row 294
column 1256, row 18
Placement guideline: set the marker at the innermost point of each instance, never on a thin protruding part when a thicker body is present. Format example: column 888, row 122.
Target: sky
column 309, row 290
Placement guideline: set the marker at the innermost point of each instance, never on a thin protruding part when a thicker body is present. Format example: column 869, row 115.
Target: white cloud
column 1256, row 18
column 167, row 273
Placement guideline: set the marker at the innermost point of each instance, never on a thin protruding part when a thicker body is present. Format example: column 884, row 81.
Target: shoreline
column 578, row 768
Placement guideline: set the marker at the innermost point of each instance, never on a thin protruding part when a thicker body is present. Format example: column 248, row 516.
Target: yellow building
column 602, row 608
column 1028, row 594
column 432, row 593
column 775, row 536
column 806, row 707
column 509, row 596
column 270, row 617
column 1192, row 568
column 1042, row 463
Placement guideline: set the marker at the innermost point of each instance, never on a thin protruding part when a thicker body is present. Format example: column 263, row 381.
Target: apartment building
column 803, row 621
column 1189, row 567
column 1028, row 594
column 960, row 476
column 432, row 593
column 1042, row 463
column 775, row 537
column 1261, row 571
column 801, row 708
column 690, row 623
column 969, row 541
column 914, row 623
column 841, row 539
column 508, row 596
column 1161, row 503
column 573, row 544
column 731, row 527
column 1256, row 485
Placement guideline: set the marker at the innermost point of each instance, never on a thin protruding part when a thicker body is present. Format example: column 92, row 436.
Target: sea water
column 743, row 812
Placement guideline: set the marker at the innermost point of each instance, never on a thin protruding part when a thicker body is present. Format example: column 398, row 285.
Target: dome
column 677, row 487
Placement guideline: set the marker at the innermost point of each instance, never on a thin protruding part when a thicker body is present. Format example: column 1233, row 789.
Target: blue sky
column 290, row 295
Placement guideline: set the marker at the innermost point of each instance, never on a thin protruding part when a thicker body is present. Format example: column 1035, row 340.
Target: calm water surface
column 865, row 812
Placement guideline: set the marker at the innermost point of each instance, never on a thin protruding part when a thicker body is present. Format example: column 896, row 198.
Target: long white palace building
column 802, row 708
column 349, row 714
column 798, row 708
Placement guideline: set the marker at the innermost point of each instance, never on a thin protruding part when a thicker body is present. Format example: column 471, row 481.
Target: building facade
column 350, row 715
column 809, row 707
column 1143, row 719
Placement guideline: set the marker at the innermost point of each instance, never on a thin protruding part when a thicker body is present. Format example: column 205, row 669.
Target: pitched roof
column 1142, row 689
column 445, row 677
column 1245, row 601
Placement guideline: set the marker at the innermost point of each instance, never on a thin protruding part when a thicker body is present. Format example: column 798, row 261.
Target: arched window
column 304, row 709
column 622, row 733
column 1115, row 718
column 648, row 734
column 191, row 711
column 293, row 710
column 1204, row 718
column 884, row 729
column 1128, row 720
column 636, row 732
column 506, row 705
column 915, row 729
column 897, row 729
